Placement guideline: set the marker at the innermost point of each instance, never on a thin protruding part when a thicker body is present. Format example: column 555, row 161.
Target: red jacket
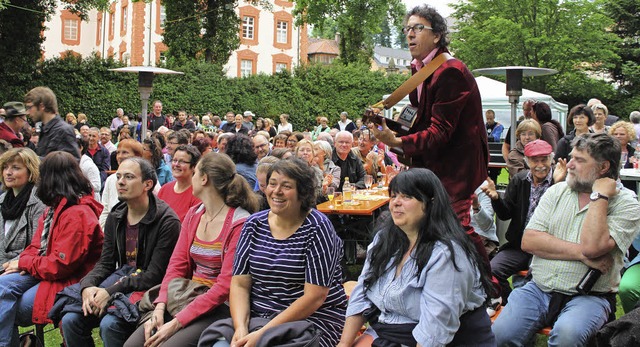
column 181, row 264
column 449, row 136
column 10, row 136
column 74, row 247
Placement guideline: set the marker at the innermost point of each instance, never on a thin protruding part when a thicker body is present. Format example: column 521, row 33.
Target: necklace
column 206, row 224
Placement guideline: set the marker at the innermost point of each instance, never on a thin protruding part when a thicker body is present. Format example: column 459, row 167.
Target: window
column 246, row 67
column 281, row 32
column 112, row 24
column 281, row 67
column 248, row 27
column 163, row 16
column 123, row 20
column 282, row 27
column 99, row 29
column 163, row 58
column 70, row 30
column 70, row 33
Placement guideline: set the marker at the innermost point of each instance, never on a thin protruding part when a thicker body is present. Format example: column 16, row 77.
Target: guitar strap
column 414, row 81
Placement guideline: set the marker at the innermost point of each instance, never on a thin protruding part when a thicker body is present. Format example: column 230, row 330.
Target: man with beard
column 518, row 204
column 582, row 226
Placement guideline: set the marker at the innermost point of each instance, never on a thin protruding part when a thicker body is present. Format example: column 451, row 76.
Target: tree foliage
column 570, row 36
column 626, row 71
column 86, row 85
column 203, row 30
column 357, row 21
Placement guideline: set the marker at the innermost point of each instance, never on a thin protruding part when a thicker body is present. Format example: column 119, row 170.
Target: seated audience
column 64, row 248
column 527, row 131
column 420, row 254
column 240, row 150
column 350, row 165
column 305, row 151
column 625, row 133
column 600, row 112
column 20, row 207
column 280, row 141
column 204, row 254
column 584, row 225
column 179, row 193
column 152, row 151
column 139, row 237
column 518, row 204
column 127, row 148
column 261, row 176
column 287, row 264
column 89, row 168
column 551, row 130
column 582, row 118
column 329, row 169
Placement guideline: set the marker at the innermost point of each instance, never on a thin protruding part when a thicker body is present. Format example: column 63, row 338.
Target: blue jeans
column 526, row 312
column 76, row 329
column 17, row 294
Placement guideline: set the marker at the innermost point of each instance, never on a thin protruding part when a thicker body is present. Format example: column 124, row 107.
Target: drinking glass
column 330, row 192
column 368, row 181
column 337, row 199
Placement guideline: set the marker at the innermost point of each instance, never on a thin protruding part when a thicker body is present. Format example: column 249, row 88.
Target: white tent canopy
column 494, row 98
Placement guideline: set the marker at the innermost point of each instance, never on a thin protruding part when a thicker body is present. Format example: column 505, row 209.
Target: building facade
column 132, row 33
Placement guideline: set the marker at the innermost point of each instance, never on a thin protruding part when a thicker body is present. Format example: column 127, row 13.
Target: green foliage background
column 86, row 85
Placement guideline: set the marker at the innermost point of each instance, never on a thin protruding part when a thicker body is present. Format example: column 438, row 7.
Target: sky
column 440, row 5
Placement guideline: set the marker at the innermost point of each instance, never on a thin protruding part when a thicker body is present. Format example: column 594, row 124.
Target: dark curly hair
column 303, row 175
column 438, row 23
column 240, row 149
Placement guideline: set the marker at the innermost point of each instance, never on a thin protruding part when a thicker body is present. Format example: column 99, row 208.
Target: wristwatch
column 595, row 196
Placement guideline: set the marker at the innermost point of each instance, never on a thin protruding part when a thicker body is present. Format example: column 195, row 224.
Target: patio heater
column 514, row 86
column 145, row 86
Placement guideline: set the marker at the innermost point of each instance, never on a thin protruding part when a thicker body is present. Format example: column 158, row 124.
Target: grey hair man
column 350, row 165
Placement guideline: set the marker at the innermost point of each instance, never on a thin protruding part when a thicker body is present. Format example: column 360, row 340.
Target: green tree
column 21, row 27
column 384, row 37
column 182, row 31
column 357, row 22
column 570, row 36
column 626, row 71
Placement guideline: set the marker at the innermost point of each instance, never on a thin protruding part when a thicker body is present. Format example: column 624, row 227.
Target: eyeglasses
column 180, row 162
column 416, row 28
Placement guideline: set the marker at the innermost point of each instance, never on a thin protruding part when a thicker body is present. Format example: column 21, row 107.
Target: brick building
column 132, row 32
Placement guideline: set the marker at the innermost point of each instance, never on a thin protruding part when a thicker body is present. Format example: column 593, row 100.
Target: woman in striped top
column 204, row 253
column 287, row 262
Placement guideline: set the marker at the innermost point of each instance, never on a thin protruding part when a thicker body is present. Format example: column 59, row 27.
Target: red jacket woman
column 66, row 245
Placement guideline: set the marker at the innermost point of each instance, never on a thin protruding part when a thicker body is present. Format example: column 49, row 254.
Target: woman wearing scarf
column 19, row 206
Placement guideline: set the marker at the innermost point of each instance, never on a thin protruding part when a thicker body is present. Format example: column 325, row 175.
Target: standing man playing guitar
column 447, row 133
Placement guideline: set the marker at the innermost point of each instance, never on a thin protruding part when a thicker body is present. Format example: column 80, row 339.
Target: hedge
column 86, row 86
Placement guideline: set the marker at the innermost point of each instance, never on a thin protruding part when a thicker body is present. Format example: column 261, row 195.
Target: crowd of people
column 204, row 232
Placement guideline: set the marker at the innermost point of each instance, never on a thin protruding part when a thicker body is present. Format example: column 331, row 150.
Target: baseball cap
column 537, row 148
column 248, row 113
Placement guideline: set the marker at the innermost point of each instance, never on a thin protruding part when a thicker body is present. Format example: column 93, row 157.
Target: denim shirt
column 434, row 301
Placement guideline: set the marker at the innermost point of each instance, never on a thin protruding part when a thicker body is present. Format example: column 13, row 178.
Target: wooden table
column 354, row 223
column 364, row 207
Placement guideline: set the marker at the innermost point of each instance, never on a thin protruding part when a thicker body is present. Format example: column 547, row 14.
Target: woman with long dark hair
column 65, row 247
column 153, row 153
column 423, row 281
column 551, row 130
column 240, row 149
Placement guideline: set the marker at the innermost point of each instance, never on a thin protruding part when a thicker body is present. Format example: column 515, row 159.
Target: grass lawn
column 52, row 337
